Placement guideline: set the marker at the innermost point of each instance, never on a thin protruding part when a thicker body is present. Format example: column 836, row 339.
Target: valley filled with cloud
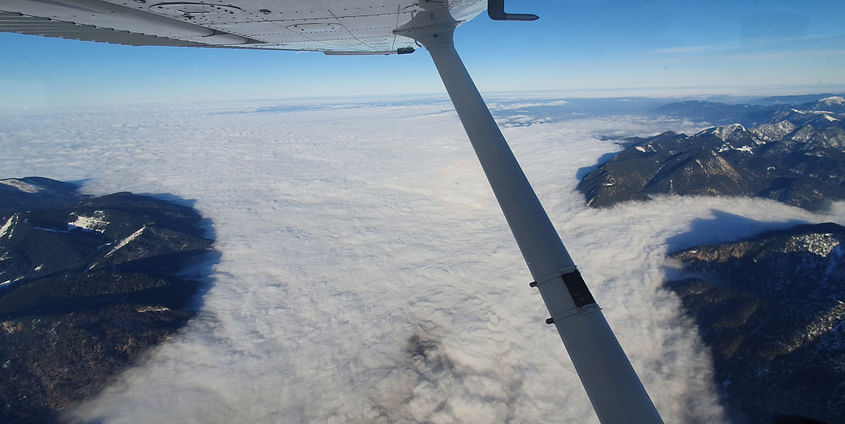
column 367, row 274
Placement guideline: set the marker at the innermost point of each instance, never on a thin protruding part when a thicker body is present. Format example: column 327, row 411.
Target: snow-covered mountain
column 771, row 309
column 798, row 109
column 86, row 287
column 795, row 158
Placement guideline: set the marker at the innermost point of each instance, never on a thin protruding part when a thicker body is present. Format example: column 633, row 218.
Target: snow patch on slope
column 833, row 100
column 21, row 185
column 96, row 223
column 8, row 227
column 127, row 240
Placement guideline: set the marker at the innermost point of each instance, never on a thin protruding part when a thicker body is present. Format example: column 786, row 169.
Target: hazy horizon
column 654, row 48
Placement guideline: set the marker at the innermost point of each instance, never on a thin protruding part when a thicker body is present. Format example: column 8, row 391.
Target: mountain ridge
column 794, row 157
column 771, row 308
column 87, row 286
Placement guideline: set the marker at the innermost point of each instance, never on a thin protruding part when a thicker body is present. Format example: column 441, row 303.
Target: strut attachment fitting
column 496, row 11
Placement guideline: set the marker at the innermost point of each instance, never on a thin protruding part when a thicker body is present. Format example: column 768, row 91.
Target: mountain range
column 793, row 155
column 771, row 309
column 87, row 286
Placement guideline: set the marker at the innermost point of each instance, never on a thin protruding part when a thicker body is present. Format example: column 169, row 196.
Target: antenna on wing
column 496, row 11
column 614, row 389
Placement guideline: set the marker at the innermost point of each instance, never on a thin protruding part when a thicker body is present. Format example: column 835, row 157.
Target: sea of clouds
column 367, row 275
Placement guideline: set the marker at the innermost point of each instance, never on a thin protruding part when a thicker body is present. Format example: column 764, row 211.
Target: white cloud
column 503, row 106
column 367, row 274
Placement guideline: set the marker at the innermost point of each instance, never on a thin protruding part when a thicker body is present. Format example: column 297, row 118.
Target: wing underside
column 330, row 26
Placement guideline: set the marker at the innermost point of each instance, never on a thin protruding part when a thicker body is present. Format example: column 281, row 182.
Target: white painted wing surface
column 330, row 26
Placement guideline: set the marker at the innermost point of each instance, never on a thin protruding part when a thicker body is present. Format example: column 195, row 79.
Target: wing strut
column 614, row 389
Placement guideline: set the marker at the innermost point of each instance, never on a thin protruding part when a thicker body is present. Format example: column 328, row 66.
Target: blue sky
column 583, row 47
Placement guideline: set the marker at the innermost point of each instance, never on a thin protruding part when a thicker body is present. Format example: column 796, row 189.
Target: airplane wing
column 329, row 26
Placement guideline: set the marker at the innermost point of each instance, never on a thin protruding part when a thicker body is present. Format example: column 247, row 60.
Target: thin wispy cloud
column 686, row 50
column 752, row 57
column 751, row 43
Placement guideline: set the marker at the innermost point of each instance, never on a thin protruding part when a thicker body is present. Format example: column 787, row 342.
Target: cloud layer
column 367, row 274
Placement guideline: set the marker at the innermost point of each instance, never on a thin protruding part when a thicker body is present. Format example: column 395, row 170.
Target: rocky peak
column 726, row 132
column 773, row 132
